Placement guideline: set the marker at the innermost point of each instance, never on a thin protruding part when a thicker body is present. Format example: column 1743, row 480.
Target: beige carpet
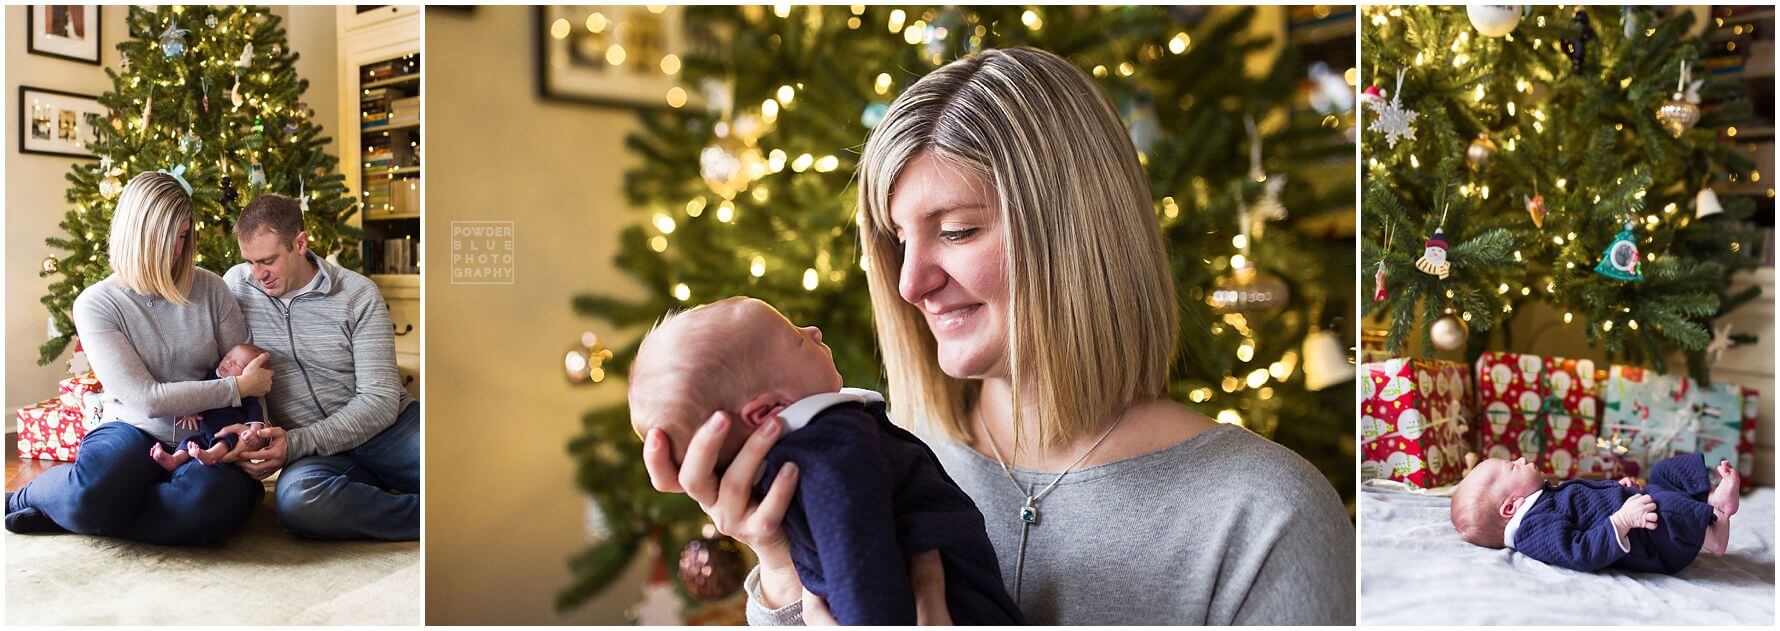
column 262, row 575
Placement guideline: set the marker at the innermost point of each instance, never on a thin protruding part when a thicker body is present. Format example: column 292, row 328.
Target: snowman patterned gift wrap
column 1542, row 408
column 1413, row 421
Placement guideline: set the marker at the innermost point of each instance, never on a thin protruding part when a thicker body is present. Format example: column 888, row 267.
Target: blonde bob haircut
column 145, row 234
column 1094, row 323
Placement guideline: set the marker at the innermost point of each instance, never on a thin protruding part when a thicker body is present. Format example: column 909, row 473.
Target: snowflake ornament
column 1397, row 122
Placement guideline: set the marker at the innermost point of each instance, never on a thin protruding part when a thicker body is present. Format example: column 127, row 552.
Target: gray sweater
column 155, row 359
column 1223, row 528
column 334, row 356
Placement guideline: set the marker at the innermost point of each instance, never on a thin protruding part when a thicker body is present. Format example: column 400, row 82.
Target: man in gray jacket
column 346, row 433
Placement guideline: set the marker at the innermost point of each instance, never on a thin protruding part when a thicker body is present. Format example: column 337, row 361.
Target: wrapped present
column 49, row 431
column 1746, row 444
column 84, row 395
column 1412, row 419
column 1649, row 417
column 1543, row 409
column 1718, row 410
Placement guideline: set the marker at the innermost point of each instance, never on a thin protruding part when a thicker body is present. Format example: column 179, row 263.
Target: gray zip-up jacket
column 333, row 356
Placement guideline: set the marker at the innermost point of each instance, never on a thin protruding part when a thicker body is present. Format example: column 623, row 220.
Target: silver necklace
column 1029, row 511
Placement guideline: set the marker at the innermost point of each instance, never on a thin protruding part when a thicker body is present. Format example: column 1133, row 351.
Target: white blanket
column 1416, row 571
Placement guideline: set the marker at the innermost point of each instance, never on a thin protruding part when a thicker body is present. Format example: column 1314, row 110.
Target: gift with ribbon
column 1650, row 416
column 1412, row 421
column 1541, row 408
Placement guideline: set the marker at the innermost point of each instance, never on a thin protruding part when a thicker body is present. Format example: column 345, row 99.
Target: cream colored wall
column 35, row 184
column 503, row 515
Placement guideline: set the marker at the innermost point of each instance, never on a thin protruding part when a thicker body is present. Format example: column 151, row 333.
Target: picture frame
column 57, row 123
column 576, row 64
column 64, row 31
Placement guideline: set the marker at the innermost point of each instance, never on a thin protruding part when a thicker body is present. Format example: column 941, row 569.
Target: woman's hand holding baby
column 255, row 379
column 729, row 500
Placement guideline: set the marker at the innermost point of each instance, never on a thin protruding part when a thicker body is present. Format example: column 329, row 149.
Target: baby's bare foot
column 168, row 461
column 1718, row 535
column 1724, row 497
column 212, row 455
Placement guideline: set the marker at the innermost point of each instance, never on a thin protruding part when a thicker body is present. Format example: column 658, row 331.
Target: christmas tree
column 212, row 94
column 749, row 193
column 1566, row 157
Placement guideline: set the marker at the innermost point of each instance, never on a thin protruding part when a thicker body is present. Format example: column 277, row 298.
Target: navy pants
column 1680, row 486
column 348, row 495
column 114, row 489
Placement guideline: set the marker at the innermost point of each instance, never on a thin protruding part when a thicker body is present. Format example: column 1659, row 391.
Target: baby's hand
column 1628, row 482
column 1637, row 512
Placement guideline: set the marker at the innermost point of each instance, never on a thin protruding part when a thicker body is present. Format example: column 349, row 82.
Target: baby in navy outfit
column 204, row 444
column 1588, row 525
column 870, row 495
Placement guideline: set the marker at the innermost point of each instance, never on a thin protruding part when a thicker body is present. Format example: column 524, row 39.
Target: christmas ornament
column 1682, row 110
column 303, row 197
column 235, row 97
column 246, row 60
column 1330, row 93
column 586, row 361
column 1373, row 98
column 1493, row 20
column 1248, row 291
column 1325, row 361
column 711, row 568
column 1268, row 205
column 51, row 264
column 110, row 187
column 1629, row 18
column 1378, row 278
column 205, row 82
column 210, row 21
column 1448, row 333
column 1721, row 342
column 728, row 165
column 1620, row 260
column 1535, row 209
column 256, row 176
column 228, row 190
column 148, row 110
column 173, row 40
column 1433, row 260
column 1479, row 153
column 873, row 114
column 1576, row 48
column 1395, row 121
column 1142, row 124
column 189, row 142
column 1706, row 204
column 278, row 49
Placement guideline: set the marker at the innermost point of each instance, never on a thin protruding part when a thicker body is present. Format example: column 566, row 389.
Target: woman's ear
column 762, row 408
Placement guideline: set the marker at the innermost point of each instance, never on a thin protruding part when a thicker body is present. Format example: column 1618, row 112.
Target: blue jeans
column 343, row 496
column 114, row 489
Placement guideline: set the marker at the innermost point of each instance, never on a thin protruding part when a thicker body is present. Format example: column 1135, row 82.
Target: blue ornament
column 173, row 40
column 1620, row 260
column 874, row 114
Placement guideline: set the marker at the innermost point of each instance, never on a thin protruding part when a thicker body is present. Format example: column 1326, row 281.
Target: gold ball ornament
column 585, row 361
column 51, row 264
column 1248, row 291
column 1480, row 152
column 1677, row 115
column 111, row 187
column 1449, row 333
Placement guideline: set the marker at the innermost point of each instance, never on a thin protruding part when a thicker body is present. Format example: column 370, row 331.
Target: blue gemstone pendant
column 1029, row 514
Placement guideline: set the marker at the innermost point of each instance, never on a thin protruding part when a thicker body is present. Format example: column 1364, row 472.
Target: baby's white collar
column 1514, row 522
column 799, row 414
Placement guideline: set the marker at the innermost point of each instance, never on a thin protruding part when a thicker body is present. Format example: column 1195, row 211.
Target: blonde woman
column 1027, row 320
column 153, row 331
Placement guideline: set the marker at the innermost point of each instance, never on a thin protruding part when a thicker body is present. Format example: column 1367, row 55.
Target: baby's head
column 739, row 355
column 1489, row 496
column 237, row 360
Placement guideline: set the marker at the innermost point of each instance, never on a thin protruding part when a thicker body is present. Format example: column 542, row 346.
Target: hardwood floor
column 19, row 472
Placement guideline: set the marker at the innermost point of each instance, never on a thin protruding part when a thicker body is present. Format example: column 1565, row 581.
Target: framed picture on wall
column 64, row 31
column 625, row 56
column 57, row 123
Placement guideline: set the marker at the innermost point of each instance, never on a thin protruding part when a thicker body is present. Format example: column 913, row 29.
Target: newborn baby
column 1587, row 525
column 206, row 445
column 870, row 495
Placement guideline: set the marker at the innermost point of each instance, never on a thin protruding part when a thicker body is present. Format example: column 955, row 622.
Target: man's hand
column 928, row 578
column 188, row 421
column 263, row 463
column 1637, row 512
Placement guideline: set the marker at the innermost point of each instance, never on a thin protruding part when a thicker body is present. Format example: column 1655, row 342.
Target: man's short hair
column 277, row 213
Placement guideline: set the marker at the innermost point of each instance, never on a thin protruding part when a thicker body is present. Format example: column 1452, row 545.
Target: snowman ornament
column 1433, row 260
